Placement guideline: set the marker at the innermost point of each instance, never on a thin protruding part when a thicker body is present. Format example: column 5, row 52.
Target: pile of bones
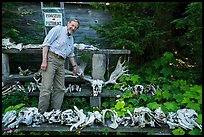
column 76, row 118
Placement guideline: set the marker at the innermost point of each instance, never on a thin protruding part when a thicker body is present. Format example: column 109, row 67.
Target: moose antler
column 119, row 71
column 98, row 84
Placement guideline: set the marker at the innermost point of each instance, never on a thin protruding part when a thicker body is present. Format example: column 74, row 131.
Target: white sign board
column 53, row 19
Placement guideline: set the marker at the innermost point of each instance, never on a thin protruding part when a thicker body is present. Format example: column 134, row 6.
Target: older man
column 57, row 45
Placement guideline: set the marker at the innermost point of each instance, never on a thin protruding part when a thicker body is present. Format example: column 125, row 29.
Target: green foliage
column 17, row 107
column 13, row 19
column 192, row 38
column 173, row 95
column 14, row 101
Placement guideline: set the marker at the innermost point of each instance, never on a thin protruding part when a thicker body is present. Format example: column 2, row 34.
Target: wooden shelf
column 16, row 77
column 96, row 128
column 85, row 92
column 39, row 51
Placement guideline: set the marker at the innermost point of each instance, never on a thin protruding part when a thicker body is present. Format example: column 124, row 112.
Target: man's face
column 72, row 26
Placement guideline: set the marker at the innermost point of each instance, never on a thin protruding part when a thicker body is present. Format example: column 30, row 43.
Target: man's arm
column 74, row 64
column 44, row 58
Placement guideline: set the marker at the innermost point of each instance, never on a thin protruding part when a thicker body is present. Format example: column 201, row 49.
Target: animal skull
column 97, row 86
column 68, row 117
column 138, row 89
column 38, row 118
column 143, row 116
column 159, row 116
column 27, row 115
column 55, row 117
column 186, row 118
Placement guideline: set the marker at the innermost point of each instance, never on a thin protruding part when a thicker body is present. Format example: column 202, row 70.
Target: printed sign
column 53, row 19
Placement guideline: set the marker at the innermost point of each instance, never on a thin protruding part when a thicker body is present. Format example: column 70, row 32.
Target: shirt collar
column 68, row 34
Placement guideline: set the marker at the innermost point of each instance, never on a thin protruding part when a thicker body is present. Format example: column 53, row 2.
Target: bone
column 159, row 116
column 81, row 116
column 119, row 71
column 82, row 46
column 89, row 119
column 68, row 117
column 114, row 117
column 6, row 43
column 9, row 117
column 55, row 117
column 143, row 116
column 186, row 118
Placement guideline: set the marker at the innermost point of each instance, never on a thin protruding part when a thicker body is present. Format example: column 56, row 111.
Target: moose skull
column 97, row 86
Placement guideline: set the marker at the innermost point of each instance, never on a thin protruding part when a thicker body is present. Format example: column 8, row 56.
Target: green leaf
column 166, row 87
column 127, row 94
column 16, row 107
column 157, row 64
column 116, row 86
column 179, row 98
column 105, row 104
column 166, row 71
column 199, row 119
column 148, row 71
column 135, row 79
column 194, row 106
column 182, row 82
column 188, row 94
column 153, row 105
column 178, row 131
column 169, row 56
column 119, row 105
column 195, row 132
column 132, row 101
column 143, row 96
column 166, row 94
column 171, row 106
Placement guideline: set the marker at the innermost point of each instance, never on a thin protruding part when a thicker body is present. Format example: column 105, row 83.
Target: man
column 57, row 45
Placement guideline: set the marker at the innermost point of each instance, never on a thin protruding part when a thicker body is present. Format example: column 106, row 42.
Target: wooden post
column 95, row 101
column 5, row 66
column 98, row 66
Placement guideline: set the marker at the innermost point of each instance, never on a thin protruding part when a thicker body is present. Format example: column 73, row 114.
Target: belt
column 55, row 55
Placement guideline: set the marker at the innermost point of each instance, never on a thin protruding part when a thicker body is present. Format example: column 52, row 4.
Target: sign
column 53, row 19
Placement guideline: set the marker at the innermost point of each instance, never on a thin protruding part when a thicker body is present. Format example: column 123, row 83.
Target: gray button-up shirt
column 59, row 42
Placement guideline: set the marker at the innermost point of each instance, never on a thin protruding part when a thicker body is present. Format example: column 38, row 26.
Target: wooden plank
column 85, row 92
column 39, row 51
column 23, row 51
column 96, row 128
column 16, row 77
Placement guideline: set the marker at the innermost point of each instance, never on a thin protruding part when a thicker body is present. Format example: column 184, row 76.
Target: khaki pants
column 53, row 85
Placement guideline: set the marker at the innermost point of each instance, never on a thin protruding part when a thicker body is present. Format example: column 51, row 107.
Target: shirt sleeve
column 51, row 36
column 72, row 54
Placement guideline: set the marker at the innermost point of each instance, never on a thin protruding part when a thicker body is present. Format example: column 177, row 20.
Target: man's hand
column 75, row 69
column 44, row 66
